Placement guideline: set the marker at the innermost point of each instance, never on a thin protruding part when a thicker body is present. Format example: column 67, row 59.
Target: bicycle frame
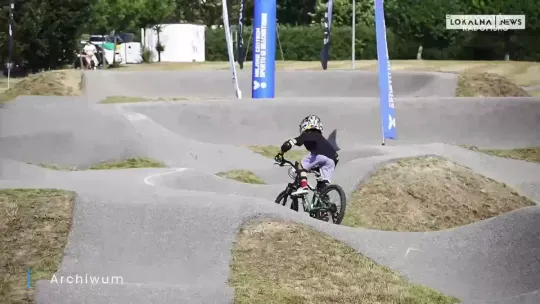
column 317, row 202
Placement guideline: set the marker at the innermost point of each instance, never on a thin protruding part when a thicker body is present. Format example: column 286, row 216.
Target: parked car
column 102, row 39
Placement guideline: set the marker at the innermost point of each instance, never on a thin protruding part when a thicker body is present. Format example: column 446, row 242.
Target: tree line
column 47, row 32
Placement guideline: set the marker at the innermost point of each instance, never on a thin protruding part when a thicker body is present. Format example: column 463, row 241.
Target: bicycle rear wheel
column 337, row 205
column 282, row 200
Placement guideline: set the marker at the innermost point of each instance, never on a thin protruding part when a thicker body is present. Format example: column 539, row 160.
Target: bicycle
column 319, row 208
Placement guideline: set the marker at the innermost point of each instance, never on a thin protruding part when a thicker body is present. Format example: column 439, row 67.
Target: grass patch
column 428, row 194
column 131, row 99
column 243, row 176
column 522, row 73
column 487, row 85
column 531, row 154
column 34, row 225
column 130, row 163
column 56, row 167
column 273, row 263
column 4, row 83
column 123, row 99
column 51, row 83
column 271, row 151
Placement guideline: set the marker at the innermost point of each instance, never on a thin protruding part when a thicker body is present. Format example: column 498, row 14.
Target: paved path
column 168, row 232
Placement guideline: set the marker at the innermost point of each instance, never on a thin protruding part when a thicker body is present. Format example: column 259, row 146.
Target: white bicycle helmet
column 311, row 122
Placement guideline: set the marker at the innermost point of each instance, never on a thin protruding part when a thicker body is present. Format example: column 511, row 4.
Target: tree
column 154, row 14
column 121, row 15
column 342, row 12
column 510, row 39
column 423, row 22
column 45, row 32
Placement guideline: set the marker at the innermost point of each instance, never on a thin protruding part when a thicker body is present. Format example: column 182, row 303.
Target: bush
column 304, row 43
column 146, row 55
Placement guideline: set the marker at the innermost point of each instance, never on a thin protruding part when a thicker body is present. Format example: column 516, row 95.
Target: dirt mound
column 428, row 194
column 51, row 83
column 274, row 263
column 488, row 85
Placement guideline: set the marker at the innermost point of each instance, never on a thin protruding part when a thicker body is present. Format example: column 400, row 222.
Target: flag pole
column 353, row 34
column 10, row 54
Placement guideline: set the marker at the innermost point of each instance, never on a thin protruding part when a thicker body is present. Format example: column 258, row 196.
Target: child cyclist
column 321, row 153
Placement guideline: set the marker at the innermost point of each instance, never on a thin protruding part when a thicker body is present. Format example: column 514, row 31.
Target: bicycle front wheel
column 282, row 200
column 334, row 198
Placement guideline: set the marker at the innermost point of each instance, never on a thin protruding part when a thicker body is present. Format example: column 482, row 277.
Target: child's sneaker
column 300, row 191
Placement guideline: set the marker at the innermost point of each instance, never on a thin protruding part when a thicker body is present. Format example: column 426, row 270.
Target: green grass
column 34, row 226
column 56, row 167
column 243, row 176
column 130, row 163
column 278, row 262
column 133, row 99
column 123, row 99
column 531, row 154
column 271, row 151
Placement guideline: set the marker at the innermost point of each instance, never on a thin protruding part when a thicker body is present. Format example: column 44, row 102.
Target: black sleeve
column 301, row 139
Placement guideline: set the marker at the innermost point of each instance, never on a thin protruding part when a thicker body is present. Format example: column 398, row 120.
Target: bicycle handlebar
column 281, row 161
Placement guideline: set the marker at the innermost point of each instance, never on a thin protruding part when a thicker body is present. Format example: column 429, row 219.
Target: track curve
column 168, row 232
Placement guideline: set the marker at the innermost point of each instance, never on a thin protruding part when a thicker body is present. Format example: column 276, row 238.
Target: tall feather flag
column 240, row 51
column 325, row 53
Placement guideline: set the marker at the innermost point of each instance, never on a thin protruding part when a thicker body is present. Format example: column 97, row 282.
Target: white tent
column 182, row 42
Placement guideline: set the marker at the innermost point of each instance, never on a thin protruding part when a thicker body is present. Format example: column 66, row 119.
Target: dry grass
column 34, row 225
column 132, row 99
column 531, row 154
column 487, row 85
column 51, row 83
column 277, row 262
column 521, row 73
column 271, row 151
column 130, row 163
column 243, row 176
column 428, row 194
column 4, row 83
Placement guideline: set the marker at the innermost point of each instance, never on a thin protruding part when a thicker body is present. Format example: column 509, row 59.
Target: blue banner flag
column 264, row 49
column 240, row 51
column 388, row 117
column 325, row 53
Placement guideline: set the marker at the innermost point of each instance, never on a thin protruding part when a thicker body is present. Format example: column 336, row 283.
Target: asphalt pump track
column 169, row 232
